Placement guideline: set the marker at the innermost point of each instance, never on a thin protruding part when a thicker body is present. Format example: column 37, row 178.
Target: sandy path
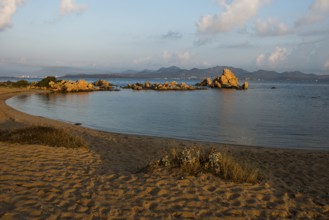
column 40, row 182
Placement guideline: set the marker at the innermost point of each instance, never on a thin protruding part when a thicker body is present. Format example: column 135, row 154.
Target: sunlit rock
column 102, row 84
column 161, row 87
column 245, row 85
column 226, row 80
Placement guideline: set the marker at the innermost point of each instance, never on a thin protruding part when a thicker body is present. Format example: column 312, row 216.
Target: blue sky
column 148, row 34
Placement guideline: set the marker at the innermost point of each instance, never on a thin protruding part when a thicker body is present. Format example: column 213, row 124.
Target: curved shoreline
column 44, row 182
column 292, row 145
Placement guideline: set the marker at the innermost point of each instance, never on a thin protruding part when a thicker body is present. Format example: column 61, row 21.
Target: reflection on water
column 293, row 115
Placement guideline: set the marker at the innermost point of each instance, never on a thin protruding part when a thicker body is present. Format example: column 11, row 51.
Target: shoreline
column 104, row 178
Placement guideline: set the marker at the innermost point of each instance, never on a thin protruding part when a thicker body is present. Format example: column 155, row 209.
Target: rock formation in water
column 226, row 80
column 103, row 84
column 50, row 83
column 71, row 86
column 161, row 86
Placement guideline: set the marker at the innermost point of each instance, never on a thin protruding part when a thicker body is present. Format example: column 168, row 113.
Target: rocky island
column 227, row 80
column 79, row 86
column 52, row 84
column 162, row 86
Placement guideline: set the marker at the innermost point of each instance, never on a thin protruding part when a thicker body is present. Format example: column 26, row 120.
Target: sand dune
column 41, row 182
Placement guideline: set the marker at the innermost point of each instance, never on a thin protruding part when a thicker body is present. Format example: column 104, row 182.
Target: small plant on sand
column 193, row 160
column 43, row 136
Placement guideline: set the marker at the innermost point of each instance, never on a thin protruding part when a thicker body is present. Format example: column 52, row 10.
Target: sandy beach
column 102, row 182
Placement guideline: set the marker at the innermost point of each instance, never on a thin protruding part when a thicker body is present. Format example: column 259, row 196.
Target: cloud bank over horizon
column 250, row 34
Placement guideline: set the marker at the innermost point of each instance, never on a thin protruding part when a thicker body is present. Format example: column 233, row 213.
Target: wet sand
column 41, row 182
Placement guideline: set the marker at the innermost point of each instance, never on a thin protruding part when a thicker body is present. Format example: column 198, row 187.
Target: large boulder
column 205, row 82
column 226, row 80
column 245, row 85
column 83, row 85
column 102, row 83
column 217, row 84
column 148, row 85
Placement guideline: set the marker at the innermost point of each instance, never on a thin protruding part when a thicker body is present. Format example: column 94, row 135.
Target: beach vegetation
column 20, row 84
column 42, row 136
column 194, row 161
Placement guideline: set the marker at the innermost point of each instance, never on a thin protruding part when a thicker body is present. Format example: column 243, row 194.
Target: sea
column 269, row 114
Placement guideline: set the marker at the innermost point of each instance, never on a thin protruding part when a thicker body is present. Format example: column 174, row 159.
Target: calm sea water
column 294, row 115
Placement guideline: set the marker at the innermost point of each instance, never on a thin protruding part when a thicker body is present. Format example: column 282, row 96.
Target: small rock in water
column 245, row 85
column 78, row 123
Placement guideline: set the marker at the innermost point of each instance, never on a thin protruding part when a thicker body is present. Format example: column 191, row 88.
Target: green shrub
column 45, row 82
column 193, row 160
column 43, row 136
column 21, row 83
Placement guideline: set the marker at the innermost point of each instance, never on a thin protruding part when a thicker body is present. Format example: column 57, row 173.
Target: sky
column 118, row 35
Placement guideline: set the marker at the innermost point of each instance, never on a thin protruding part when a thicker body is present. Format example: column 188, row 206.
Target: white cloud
column 260, row 60
column 326, row 64
column 309, row 55
column 176, row 57
column 273, row 59
column 7, row 10
column 318, row 12
column 70, row 6
column 235, row 14
column 320, row 5
column 184, row 56
column 166, row 55
column 278, row 55
column 271, row 27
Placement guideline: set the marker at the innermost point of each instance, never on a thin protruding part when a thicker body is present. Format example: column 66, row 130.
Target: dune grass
column 43, row 136
column 194, row 160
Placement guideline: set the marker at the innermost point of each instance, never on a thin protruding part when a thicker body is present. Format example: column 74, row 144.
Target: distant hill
column 175, row 72
column 172, row 72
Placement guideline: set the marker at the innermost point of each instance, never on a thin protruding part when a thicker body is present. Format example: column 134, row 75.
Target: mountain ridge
column 174, row 72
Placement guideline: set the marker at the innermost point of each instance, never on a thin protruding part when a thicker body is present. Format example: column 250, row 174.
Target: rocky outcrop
column 226, row 80
column 79, row 86
column 245, row 85
column 70, row 86
column 103, row 84
column 205, row 82
column 162, row 86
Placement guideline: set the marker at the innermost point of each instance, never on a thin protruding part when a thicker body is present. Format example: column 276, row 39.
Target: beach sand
column 102, row 182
